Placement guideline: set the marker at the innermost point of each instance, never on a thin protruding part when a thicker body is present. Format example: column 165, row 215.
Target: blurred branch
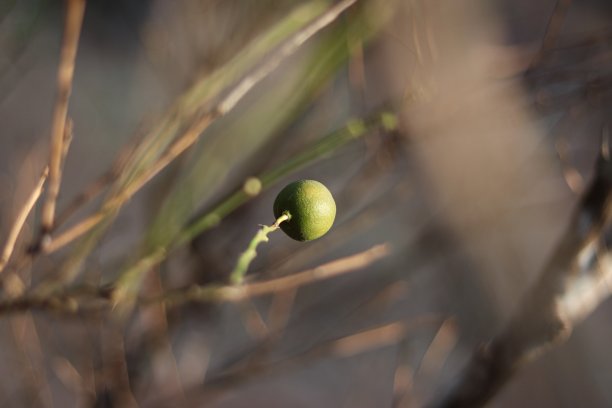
column 20, row 220
column 576, row 279
column 365, row 308
column 554, row 24
column 596, row 38
column 386, row 335
column 84, row 298
column 59, row 134
column 552, row 31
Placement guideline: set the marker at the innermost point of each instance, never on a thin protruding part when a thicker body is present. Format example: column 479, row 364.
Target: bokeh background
column 501, row 108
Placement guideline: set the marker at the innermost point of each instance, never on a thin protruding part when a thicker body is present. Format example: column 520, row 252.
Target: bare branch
column 72, row 28
column 237, row 293
column 574, row 282
column 85, row 297
column 344, row 347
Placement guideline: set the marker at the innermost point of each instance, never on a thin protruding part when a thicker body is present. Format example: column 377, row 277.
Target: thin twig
column 66, row 141
column 433, row 360
column 9, row 246
column 72, row 28
column 403, row 379
column 84, row 298
column 326, row 271
column 353, row 344
column 237, row 293
column 73, row 233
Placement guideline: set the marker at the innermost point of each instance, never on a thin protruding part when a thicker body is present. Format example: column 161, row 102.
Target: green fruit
column 311, row 209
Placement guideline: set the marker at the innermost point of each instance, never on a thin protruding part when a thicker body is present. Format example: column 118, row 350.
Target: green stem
column 325, row 147
column 250, row 253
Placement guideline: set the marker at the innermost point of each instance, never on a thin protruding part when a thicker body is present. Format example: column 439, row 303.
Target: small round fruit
column 311, row 208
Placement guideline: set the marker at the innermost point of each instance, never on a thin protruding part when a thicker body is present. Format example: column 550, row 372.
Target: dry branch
column 238, row 293
column 80, row 298
column 576, row 279
column 59, row 134
column 20, row 220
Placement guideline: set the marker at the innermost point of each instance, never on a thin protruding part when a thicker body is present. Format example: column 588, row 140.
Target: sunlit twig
column 83, row 298
column 9, row 246
column 72, row 28
column 329, row 270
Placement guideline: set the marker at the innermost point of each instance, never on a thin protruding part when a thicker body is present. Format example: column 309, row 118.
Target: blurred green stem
column 250, row 253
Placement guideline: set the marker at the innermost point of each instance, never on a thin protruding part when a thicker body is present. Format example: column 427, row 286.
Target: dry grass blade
column 9, row 246
column 72, row 28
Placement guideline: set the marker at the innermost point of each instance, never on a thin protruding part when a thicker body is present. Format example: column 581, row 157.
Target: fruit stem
column 250, row 253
